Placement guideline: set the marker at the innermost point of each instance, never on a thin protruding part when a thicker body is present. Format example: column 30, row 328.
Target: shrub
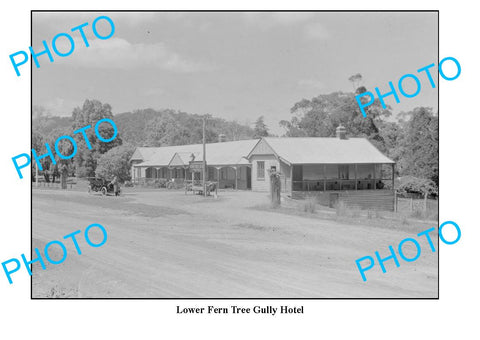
column 115, row 162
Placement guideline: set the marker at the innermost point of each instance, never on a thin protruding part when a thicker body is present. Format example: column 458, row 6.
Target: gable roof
column 218, row 154
column 182, row 158
column 142, row 153
column 321, row 150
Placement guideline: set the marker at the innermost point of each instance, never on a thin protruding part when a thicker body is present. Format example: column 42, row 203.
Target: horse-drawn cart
column 196, row 187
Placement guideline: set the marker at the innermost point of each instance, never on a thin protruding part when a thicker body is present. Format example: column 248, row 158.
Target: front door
column 249, row 177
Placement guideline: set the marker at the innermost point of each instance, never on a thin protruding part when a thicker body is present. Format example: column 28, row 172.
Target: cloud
column 118, row 53
column 316, row 31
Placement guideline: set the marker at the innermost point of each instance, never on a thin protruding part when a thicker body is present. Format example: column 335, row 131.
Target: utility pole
column 204, row 161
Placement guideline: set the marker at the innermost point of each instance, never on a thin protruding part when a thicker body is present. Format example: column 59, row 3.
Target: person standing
column 63, row 176
column 116, row 186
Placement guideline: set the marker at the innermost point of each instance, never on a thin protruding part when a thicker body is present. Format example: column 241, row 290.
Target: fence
column 417, row 206
column 58, row 185
column 363, row 199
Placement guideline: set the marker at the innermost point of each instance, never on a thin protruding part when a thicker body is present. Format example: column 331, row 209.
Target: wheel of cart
column 104, row 191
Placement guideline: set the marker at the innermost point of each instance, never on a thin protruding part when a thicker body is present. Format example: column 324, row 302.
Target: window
column 260, row 170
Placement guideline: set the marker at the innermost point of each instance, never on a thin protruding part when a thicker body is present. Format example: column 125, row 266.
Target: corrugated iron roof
column 295, row 150
column 318, row 150
column 220, row 154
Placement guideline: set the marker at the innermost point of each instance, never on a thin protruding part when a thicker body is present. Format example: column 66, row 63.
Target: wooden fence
column 364, row 199
column 58, row 185
column 412, row 205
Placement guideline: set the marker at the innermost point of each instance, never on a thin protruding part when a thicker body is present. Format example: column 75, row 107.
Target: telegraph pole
column 204, row 161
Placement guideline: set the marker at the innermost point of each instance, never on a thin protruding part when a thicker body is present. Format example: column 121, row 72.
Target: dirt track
column 165, row 244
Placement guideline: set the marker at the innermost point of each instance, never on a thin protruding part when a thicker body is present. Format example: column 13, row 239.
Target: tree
column 90, row 113
column 150, row 127
column 418, row 156
column 261, row 129
column 320, row 116
column 115, row 162
column 37, row 141
column 356, row 79
column 40, row 116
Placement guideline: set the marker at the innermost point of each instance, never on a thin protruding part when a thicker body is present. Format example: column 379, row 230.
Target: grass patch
column 348, row 215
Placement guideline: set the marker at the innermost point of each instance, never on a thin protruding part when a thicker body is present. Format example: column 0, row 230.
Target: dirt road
column 164, row 244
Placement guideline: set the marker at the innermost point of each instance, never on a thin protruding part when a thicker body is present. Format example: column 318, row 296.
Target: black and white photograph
column 238, row 170
column 233, row 154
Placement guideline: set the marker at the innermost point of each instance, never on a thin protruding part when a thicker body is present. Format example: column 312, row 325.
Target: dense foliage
column 115, row 162
column 168, row 127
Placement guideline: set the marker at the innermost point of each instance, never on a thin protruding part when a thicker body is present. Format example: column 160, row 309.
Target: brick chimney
column 341, row 132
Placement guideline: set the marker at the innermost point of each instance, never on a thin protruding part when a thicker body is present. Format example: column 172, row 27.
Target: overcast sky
column 231, row 65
